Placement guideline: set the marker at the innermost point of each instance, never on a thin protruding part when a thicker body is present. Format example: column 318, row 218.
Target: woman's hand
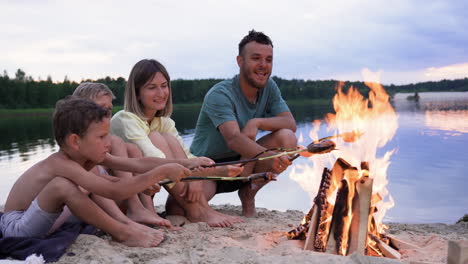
column 152, row 189
column 199, row 161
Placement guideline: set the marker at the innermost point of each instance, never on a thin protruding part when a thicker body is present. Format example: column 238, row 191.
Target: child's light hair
column 92, row 90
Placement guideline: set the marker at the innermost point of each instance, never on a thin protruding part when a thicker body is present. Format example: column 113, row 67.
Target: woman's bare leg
column 195, row 211
column 136, row 210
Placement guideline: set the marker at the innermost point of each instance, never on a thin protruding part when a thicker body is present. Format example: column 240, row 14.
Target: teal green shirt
column 226, row 102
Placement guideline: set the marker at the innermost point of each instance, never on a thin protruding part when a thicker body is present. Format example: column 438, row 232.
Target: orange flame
column 378, row 122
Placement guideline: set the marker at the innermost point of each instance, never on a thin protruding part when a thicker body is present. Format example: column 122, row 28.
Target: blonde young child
column 81, row 129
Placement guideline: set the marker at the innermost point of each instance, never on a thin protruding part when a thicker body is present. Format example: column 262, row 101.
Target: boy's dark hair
column 73, row 115
column 256, row 36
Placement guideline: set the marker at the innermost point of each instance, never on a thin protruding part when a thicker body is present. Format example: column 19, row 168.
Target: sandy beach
column 258, row 240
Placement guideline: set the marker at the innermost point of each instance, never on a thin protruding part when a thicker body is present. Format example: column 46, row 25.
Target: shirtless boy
column 81, row 129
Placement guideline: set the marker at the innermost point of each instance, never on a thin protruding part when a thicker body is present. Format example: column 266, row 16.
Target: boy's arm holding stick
column 120, row 188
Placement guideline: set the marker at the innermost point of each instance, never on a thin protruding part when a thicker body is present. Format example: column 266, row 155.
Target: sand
column 259, row 240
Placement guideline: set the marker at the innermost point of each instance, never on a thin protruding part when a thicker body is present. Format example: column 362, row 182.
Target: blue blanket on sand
column 51, row 248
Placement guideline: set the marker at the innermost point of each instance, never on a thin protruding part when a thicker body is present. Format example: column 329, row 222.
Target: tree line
column 22, row 91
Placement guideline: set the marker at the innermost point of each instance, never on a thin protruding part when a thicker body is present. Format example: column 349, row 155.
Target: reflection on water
column 427, row 175
column 23, row 135
column 454, row 121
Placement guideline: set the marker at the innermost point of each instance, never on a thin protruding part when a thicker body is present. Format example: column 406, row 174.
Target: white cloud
column 448, row 72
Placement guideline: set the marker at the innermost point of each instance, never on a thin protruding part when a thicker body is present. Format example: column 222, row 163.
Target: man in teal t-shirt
column 234, row 110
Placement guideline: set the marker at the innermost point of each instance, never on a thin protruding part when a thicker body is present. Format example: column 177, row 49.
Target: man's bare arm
column 243, row 142
column 282, row 120
column 238, row 141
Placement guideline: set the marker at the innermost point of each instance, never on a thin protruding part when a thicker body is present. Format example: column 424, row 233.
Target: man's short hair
column 74, row 115
column 256, row 36
column 92, row 90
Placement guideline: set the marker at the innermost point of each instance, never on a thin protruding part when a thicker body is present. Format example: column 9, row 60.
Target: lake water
column 427, row 175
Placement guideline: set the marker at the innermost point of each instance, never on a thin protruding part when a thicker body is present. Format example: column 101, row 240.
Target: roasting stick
column 320, row 146
column 347, row 137
column 313, row 148
column 261, row 175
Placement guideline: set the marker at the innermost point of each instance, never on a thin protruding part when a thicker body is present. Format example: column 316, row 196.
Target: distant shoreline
column 48, row 111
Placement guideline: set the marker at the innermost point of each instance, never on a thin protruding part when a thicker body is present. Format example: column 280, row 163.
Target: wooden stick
column 347, row 136
column 309, row 244
column 254, row 176
column 387, row 250
column 312, row 148
column 361, row 211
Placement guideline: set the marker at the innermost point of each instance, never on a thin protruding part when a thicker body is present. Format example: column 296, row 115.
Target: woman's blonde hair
column 91, row 90
column 141, row 73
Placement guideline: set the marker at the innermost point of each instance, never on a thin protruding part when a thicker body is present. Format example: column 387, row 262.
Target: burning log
column 385, row 249
column 324, row 211
column 342, row 215
column 319, row 231
column 335, row 241
column 309, row 245
column 300, row 232
column 346, row 225
column 361, row 214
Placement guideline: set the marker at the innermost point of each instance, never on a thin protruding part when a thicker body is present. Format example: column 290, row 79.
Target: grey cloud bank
column 408, row 41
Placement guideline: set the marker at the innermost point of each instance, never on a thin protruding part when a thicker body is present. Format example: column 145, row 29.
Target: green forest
column 22, row 91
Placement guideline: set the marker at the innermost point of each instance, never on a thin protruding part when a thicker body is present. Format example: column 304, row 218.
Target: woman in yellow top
column 145, row 121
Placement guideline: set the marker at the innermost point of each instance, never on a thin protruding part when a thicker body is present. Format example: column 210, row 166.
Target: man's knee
column 285, row 137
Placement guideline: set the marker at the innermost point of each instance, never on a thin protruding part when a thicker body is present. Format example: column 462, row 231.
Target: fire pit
column 350, row 199
column 341, row 218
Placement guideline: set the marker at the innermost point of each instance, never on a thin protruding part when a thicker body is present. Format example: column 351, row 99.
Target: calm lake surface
column 427, row 176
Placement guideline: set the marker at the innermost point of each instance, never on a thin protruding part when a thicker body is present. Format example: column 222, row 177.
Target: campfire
column 350, row 199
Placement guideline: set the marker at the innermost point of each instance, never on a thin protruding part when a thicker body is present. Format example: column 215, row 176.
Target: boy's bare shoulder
column 47, row 167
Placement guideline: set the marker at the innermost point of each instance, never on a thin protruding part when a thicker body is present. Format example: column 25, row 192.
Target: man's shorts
column 34, row 222
column 228, row 186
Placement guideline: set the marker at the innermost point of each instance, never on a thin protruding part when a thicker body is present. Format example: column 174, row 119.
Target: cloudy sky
column 404, row 41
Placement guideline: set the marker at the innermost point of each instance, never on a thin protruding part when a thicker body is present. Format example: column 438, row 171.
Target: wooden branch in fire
column 361, row 215
column 346, row 225
column 318, row 232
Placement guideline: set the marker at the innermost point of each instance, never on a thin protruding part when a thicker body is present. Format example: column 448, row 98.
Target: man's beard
column 252, row 82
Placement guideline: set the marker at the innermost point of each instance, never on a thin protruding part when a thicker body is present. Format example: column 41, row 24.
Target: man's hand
column 193, row 191
column 175, row 172
column 280, row 164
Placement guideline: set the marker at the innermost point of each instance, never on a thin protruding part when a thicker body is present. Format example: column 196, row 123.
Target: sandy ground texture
column 259, row 240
